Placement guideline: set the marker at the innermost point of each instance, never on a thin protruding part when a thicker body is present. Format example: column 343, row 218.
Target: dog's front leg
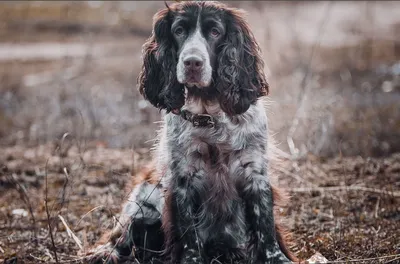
column 183, row 244
column 256, row 193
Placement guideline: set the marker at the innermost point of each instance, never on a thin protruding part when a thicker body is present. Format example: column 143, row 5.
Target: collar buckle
column 198, row 120
column 203, row 120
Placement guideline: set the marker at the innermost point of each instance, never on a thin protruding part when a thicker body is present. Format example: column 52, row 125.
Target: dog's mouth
column 194, row 79
column 191, row 85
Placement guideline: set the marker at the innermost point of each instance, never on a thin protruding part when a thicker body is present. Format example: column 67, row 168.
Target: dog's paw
column 236, row 255
column 102, row 254
column 232, row 255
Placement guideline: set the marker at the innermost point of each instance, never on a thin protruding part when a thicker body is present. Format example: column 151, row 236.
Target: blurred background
column 68, row 74
column 72, row 66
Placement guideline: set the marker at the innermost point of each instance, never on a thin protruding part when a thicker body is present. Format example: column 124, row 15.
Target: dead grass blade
column 345, row 188
column 373, row 260
column 48, row 215
column 70, row 233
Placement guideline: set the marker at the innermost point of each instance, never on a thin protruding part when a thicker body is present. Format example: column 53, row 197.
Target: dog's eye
column 215, row 32
column 179, row 31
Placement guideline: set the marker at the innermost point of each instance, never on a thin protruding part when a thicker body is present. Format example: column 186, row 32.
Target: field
column 84, row 186
column 74, row 130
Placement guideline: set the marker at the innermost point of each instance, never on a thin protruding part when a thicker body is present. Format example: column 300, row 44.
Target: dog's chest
column 209, row 148
column 203, row 142
column 203, row 161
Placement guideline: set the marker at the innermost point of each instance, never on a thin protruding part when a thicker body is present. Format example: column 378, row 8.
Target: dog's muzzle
column 194, row 66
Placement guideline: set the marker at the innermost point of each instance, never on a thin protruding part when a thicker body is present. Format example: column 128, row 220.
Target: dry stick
column 304, row 85
column 91, row 210
column 391, row 261
column 295, row 176
column 72, row 260
column 67, row 177
column 24, row 196
column 82, row 135
column 64, row 189
column 62, row 192
column 70, row 233
column 377, row 208
column 48, row 215
column 396, row 257
column 347, row 188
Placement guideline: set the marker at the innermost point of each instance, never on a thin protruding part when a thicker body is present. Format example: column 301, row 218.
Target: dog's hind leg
column 138, row 234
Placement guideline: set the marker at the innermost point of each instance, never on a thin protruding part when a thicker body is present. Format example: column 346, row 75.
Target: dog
column 207, row 196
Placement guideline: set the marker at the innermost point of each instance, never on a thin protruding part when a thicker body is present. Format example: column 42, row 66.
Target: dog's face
column 205, row 46
column 197, row 33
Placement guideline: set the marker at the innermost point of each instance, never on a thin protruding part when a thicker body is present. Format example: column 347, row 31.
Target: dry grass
column 342, row 224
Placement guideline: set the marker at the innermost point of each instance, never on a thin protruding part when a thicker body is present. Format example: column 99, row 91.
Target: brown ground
column 342, row 224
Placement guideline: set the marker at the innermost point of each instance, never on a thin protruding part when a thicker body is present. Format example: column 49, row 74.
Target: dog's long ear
column 241, row 78
column 157, row 81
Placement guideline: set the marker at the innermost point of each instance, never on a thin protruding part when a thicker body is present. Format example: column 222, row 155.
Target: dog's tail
column 283, row 236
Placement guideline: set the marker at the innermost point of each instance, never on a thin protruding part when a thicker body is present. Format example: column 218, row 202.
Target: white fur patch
column 195, row 45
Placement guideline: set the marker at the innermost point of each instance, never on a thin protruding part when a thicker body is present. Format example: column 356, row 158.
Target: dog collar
column 198, row 120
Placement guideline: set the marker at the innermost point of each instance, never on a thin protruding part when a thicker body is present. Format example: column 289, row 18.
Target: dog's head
column 207, row 47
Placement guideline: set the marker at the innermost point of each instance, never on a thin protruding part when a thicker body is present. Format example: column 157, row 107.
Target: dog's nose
column 193, row 63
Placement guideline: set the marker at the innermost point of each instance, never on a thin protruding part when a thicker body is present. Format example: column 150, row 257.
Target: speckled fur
column 219, row 200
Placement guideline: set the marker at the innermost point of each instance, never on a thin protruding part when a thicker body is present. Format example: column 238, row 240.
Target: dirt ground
column 344, row 208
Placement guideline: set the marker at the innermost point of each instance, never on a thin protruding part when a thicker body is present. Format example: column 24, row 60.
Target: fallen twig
column 345, row 188
column 48, row 216
column 395, row 257
column 303, row 95
column 70, row 233
column 295, row 176
column 25, row 197
column 91, row 210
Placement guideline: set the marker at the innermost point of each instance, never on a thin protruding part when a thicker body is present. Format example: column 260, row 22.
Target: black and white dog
column 208, row 198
